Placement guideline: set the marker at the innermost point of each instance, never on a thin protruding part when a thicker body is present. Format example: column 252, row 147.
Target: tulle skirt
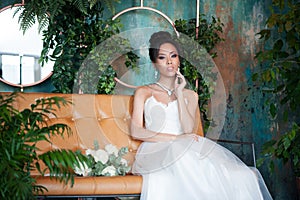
column 185, row 169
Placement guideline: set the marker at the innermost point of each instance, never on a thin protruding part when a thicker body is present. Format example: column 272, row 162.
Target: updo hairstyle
column 159, row 38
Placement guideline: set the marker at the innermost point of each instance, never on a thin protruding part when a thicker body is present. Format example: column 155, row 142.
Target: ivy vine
column 280, row 62
column 203, row 42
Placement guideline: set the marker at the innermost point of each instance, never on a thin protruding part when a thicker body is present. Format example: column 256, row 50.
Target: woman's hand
column 189, row 135
column 180, row 83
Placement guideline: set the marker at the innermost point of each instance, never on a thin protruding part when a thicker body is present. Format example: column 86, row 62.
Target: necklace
column 170, row 92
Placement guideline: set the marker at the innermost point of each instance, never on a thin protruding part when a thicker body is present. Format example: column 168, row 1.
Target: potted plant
column 20, row 131
column 280, row 79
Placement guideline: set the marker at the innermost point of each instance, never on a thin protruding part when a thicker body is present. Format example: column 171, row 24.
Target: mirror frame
column 29, row 84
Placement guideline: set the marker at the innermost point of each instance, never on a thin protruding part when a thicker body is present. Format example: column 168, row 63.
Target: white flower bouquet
column 104, row 162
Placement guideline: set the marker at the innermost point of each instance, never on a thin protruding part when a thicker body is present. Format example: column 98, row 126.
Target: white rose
column 111, row 170
column 101, row 155
column 82, row 169
column 111, row 149
column 90, row 152
column 123, row 162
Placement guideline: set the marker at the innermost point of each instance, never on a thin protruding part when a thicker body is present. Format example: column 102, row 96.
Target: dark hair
column 159, row 38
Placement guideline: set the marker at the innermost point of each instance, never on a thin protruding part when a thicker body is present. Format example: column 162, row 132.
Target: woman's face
column 167, row 61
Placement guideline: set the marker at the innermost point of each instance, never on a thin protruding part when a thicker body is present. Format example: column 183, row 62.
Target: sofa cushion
column 94, row 186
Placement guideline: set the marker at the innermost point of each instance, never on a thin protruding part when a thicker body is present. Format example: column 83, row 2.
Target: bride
column 175, row 163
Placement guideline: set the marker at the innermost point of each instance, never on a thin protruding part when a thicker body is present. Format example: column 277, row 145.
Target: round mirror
column 20, row 53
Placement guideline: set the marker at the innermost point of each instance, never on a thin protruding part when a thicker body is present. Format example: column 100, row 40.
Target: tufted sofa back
column 92, row 117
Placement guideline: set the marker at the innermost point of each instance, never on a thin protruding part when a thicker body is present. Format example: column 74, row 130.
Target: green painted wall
column 246, row 117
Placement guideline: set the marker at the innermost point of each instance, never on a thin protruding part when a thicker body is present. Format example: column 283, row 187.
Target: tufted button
column 73, row 119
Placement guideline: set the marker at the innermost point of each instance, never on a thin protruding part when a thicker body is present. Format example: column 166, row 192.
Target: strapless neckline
column 160, row 117
column 161, row 103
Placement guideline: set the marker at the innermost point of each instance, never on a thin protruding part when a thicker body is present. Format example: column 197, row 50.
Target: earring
column 155, row 74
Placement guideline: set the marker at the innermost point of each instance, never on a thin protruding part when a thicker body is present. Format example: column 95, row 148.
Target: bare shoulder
column 142, row 92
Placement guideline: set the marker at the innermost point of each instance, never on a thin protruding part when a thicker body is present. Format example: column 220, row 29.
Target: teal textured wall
column 246, row 117
column 4, row 3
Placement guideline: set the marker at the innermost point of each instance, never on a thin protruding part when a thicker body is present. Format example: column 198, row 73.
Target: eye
column 161, row 57
column 174, row 56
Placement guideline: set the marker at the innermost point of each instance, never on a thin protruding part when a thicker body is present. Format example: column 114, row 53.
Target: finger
column 182, row 80
column 176, row 79
column 178, row 73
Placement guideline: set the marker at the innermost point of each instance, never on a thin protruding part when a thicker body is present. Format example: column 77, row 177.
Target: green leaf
column 278, row 45
column 286, row 143
column 273, row 110
column 254, row 76
column 260, row 161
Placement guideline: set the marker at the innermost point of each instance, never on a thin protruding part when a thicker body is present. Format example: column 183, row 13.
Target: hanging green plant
column 74, row 36
column 45, row 12
column 70, row 33
column 96, row 74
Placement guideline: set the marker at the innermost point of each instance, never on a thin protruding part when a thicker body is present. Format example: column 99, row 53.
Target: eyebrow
column 171, row 52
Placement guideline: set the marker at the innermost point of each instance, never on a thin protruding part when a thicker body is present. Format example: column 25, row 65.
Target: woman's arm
column 187, row 110
column 137, row 126
column 187, row 105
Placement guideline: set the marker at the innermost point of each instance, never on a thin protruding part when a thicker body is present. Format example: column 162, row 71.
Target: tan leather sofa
column 104, row 118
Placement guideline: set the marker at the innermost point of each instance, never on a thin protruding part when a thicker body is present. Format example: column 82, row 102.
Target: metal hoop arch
column 142, row 7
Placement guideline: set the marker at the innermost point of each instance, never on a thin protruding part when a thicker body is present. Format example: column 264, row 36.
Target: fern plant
column 45, row 12
column 20, row 131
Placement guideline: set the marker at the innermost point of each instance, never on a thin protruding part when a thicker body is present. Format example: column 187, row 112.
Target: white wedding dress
column 186, row 169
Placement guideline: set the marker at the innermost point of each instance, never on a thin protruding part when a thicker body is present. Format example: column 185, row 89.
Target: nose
column 169, row 61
